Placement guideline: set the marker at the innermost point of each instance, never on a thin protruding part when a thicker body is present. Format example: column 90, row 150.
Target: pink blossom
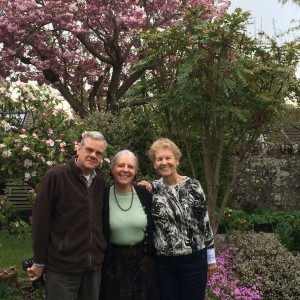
column 107, row 25
column 54, row 112
column 50, row 131
column 76, row 147
column 25, row 148
column 50, row 143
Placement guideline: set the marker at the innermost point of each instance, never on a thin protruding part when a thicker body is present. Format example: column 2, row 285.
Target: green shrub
column 262, row 254
column 271, row 217
column 9, row 219
column 240, row 220
column 235, row 220
column 288, row 232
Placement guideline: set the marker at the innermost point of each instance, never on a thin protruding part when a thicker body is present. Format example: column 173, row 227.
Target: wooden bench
column 17, row 195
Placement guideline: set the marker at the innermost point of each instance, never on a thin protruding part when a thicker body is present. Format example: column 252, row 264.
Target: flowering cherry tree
column 88, row 50
column 26, row 153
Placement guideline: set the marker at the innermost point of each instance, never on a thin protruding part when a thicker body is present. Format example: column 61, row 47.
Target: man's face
column 90, row 155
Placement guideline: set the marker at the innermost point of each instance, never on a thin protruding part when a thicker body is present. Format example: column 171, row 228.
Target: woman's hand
column 147, row 185
column 212, row 268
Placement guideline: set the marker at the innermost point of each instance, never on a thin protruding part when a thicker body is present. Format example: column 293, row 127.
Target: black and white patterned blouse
column 180, row 217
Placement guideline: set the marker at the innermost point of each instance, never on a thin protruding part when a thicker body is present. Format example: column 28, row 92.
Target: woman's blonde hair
column 164, row 143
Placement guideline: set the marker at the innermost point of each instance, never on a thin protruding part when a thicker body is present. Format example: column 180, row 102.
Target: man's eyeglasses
column 90, row 151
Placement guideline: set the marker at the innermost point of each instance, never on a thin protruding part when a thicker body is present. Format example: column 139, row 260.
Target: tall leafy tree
column 87, row 49
column 221, row 88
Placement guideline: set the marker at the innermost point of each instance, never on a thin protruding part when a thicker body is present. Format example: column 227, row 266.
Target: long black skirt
column 129, row 275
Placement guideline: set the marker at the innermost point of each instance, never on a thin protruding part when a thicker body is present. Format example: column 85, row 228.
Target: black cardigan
column 146, row 201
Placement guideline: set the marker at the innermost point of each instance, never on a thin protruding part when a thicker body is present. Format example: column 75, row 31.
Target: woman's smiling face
column 165, row 162
column 124, row 170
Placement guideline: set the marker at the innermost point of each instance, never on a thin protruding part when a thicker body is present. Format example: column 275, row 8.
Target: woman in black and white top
column 183, row 236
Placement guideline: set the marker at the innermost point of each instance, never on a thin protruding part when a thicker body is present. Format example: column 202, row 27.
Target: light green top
column 126, row 227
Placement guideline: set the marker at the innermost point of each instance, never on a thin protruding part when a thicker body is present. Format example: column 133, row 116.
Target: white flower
column 6, row 154
column 41, row 157
column 27, row 176
column 27, row 163
column 5, row 125
column 22, row 136
column 49, row 163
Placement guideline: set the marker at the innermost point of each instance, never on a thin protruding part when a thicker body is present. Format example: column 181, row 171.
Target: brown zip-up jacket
column 66, row 224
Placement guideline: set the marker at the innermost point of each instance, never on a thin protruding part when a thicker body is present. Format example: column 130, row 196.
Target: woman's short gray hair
column 127, row 153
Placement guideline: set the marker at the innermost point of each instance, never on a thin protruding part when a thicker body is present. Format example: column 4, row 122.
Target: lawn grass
column 14, row 250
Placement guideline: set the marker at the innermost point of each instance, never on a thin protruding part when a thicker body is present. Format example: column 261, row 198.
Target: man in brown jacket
column 68, row 243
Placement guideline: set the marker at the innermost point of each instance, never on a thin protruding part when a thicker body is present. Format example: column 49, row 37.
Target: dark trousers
column 66, row 286
column 182, row 277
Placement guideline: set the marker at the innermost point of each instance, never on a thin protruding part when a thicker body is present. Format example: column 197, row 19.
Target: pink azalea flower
column 50, row 143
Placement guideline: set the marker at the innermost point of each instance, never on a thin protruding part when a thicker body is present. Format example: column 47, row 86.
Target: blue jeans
column 182, row 277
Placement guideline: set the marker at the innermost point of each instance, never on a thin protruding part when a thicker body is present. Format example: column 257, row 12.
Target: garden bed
column 20, row 290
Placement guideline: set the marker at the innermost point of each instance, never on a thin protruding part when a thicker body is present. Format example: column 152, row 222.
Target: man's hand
column 35, row 272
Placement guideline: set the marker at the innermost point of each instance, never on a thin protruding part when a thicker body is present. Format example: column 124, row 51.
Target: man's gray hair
column 94, row 135
column 124, row 152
